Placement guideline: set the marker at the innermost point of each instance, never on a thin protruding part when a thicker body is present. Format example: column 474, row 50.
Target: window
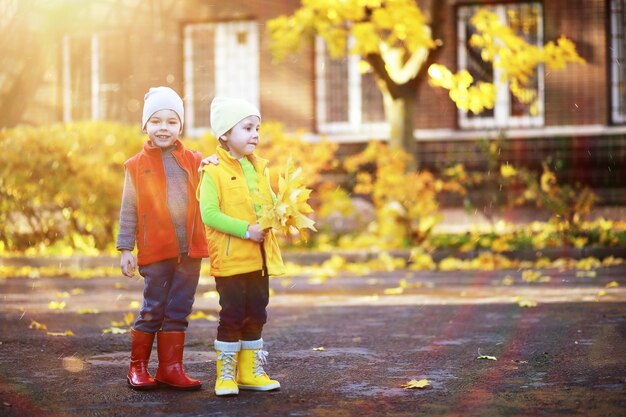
column 93, row 72
column 346, row 100
column 509, row 112
column 618, row 61
column 219, row 59
column 8, row 10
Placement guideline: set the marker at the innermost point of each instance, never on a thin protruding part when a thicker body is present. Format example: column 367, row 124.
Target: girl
column 242, row 254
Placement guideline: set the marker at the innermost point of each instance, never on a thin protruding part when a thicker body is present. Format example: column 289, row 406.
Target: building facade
column 95, row 60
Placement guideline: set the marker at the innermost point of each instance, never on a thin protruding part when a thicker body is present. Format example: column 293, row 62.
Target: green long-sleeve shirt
column 212, row 216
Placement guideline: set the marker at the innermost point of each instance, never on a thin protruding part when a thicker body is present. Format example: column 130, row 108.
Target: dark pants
column 244, row 299
column 168, row 294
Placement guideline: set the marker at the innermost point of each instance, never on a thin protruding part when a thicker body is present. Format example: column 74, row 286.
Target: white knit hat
column 226, row 112
column 162, row 98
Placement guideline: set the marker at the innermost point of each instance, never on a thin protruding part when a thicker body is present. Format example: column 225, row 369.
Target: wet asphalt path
column 564, row 357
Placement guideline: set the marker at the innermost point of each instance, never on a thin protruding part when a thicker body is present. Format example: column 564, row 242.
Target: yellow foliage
column 395, row 24
column 508, row 51
column 405, row 202
column 288, row 212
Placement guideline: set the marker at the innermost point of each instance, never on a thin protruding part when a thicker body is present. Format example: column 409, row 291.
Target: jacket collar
column 151, row 148
column 225, row 156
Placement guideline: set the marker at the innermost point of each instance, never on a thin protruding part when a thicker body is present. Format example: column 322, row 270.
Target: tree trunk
column 399, row 113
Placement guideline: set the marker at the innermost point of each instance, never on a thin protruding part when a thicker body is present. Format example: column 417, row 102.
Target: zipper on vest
column 145, row 231
column 227, row 245
column 193, row 226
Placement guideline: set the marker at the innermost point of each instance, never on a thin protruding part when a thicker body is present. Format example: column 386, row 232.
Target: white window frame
column 354, row 124
column 502, row 110
column 97, row 87
column 221, row 30
column 618, row 62
column 8, row 11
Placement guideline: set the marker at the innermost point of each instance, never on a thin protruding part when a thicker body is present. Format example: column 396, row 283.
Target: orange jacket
column 155, row 234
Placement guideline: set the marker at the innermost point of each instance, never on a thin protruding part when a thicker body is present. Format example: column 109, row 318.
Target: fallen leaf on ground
column 601, row 293
column 126, row 321
column 319, row 348
column 88, row 311
column 612, row 284
column 415, row 384
column 491, row 358
column 202, row 315
column 115, row 330
column 393, row 291
column 56, row 305
column 37, row 326
column 65, row 333
column 526, row 303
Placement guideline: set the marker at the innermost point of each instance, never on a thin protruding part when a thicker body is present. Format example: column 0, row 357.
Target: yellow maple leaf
column 202, row 315
column 287, row 213
column 88, row 311
column 56, row 305
column 526, row 303
column 115, row 330
column 37, row 326
column 487, row 357
column 414, row 383
column 612, row 284
column 126, row 321
column 319, row 349
column 65, row 333
column 393, row 291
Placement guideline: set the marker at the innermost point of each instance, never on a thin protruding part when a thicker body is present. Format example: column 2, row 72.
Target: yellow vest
column 231, row 255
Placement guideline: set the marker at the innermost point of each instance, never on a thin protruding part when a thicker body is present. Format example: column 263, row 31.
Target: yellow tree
column 400, row 43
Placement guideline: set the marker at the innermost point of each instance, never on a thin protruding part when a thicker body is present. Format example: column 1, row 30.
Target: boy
column 160, row 214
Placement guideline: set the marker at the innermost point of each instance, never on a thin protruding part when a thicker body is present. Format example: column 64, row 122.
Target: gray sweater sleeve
column 128, row 216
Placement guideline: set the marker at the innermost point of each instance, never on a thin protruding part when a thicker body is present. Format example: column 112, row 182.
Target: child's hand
column 127, row 263
column 213, row 159
column 257, row 234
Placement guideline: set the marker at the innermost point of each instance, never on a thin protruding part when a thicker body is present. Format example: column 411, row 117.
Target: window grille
column 618, row 61
column 93, row 73
column 219, row 59
column 347, row 100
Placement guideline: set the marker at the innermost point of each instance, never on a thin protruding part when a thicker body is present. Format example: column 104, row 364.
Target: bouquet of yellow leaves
column 287, row 213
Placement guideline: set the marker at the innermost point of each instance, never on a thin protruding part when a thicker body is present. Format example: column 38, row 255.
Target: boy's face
column 243, row 138
column 163, row 128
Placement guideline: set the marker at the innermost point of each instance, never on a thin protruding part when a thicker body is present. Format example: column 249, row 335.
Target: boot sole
column 260, row 388
column 141, row 387
column 230, row 392
column 176, row 387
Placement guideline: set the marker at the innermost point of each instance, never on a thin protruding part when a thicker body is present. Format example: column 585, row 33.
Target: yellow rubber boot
column 226, row 363
column 250, row 373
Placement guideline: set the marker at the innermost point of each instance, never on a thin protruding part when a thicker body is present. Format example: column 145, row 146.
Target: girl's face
column 243, row 138
column 163, row 128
